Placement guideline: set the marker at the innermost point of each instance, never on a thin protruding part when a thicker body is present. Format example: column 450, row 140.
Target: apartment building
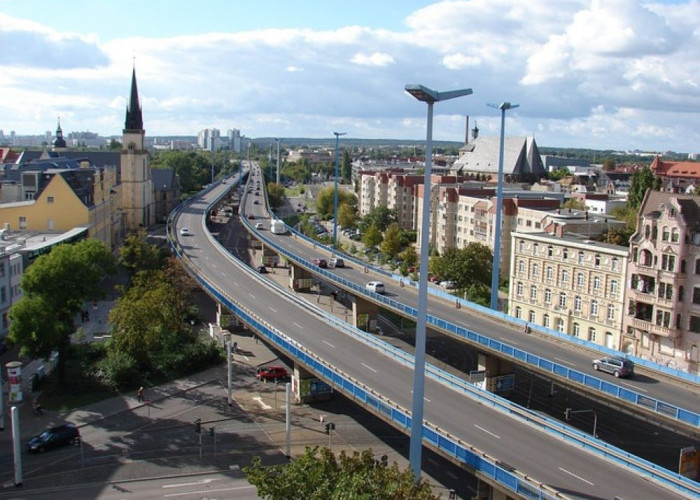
column 663, row 286
column 392, row 189
column 569, row 283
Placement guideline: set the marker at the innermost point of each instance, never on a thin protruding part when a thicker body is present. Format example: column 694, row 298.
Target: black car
column 54, row 437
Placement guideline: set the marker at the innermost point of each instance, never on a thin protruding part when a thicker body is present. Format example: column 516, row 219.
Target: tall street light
column 335, row 193
column 278, row 161
column 430, row 97
column 495, row 268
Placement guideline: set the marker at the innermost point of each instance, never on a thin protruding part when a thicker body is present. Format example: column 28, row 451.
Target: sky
column 600, row 74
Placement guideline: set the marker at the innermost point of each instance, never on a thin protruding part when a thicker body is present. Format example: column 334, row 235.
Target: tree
column 381, row 216
column 319, row 475
column 372, row 236
column 346, row 167
column 275, row 193
column 346, row 215
column 391, row 245
column 136, row 254
column 574, row 204
column 58, row 283
column 115, row 145
column 642, row 180
column 609, row 165
column 466, row 266
column 325, row 200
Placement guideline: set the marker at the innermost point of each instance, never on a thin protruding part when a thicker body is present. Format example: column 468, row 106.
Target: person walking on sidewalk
column 139, row 394
column 36, row 407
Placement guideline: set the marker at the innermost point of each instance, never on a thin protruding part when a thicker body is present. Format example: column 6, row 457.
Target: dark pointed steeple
column 134, row 119
column 59, row 142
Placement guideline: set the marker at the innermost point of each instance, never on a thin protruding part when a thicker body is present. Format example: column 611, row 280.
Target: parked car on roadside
column 54, row 437
column 617, row 365
column 272, row 373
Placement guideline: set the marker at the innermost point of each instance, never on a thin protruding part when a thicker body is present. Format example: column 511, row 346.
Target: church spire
column 59, row 142
column 134, row 119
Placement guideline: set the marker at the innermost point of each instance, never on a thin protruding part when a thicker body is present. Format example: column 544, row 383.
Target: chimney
column 559, row 230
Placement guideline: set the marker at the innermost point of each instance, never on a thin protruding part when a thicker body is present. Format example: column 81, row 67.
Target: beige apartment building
column 392, row 189
column 569, row 283
column 662, row 323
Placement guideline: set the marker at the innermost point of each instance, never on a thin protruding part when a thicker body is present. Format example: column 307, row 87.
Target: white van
column 336, row 262
column 375, row 286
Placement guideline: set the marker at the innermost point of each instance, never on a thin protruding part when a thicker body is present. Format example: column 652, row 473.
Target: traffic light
column 453, row 495
column 198, row 426
column 330, row 426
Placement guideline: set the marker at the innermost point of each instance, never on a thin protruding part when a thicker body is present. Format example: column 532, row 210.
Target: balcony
column 661, row 331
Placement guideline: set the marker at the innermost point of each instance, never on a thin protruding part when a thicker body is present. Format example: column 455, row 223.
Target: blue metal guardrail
column 614, row 390
column 446, row 443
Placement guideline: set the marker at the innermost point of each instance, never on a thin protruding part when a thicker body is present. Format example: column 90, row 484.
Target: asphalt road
column 567, row 468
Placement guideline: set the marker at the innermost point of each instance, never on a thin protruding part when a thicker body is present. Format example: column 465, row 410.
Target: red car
column 272, row 373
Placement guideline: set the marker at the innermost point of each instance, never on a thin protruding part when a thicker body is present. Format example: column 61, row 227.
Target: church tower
column 59, row 144
column 136, row 182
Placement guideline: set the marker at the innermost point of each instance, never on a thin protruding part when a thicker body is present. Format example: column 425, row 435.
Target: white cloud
column 613, row 74
column 375, row 59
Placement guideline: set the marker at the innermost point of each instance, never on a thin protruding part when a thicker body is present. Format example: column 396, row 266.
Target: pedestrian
column 36, row 407
column 139, row 394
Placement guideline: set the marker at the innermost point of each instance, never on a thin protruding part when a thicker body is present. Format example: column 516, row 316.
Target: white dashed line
column 369, row 367
column 487, row 432
column 328, row 343
column 574, row 475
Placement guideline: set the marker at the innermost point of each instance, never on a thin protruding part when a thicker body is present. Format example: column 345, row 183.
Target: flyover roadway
column 575, row 472
column 681, row 394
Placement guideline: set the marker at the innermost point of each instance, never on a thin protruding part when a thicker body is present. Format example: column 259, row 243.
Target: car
column 336, row 262
column 448, row 285
column 54, row 437
column 320, row 263
column 262, row 269
column 185, row 231
column 617, row 365
column 375, row 286
column 259, row 225
column 272, row 373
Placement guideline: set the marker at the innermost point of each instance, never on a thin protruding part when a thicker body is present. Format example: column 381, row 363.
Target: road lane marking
column 369, row 367
column 577, row 477
column 328, row 343
column 272, row 309
column 248, row 487
column 564, row 361
column 251, row 295
column 510, row 341
column 265, row 406
column 487, row 431
column 195, row 483
column 297, row 325
column 632, row 386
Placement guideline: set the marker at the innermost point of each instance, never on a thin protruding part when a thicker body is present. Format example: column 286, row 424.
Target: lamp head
column 425, row 94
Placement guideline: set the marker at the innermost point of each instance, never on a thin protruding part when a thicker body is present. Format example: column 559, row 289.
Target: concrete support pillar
column 307, row 388
column 499, row 373
column 364, row 314
column 300, row 280
column 270, row 258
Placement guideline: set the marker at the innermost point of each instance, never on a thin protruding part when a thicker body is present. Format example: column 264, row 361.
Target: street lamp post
column 430, row 97
column 495, row 268
column 335, row 192
column 278, row 161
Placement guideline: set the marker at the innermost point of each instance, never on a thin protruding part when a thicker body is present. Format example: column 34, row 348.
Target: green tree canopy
column 192, row 168
column 346, row 167
column 320, row 475
column 325, row 200
column 346, row 215
column 275, row 193
column 372, row 236
column 391, row 245
column 642, row 180
column 136, row 254
column 381, row 216
column 59, row 283
column 465, row 266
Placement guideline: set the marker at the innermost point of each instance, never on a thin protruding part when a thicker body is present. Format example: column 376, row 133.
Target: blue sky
column 604, row 74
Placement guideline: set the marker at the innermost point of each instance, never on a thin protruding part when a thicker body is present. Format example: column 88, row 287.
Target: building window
column 611, row 311
column 591, row 334
column 577, row 330
column 2, row 269
column 597, row 260
column 664, row 234
column 696, row 295
column 22, row 222
column 521, row 246
column 579, row 279
column 666, row 291
column 560, row 324
column 531, row 316
column 49, row 199
column 565, row 276
column 675, row 235
column 535, row 272
column 578, row 303
column 518, row 312
column 668, row 262
column 519, row 289
column 613, row 287
column 533, row 292
column 565, row 253
column 594, row 308
column 596, row 283
column 545, row 320
column 549, row 273
column 535, row 248
column 615, row 263
column 521, row 267
column 550, row 251
column 663, row 318
column 562, row 299
column 580, row 258
column 547, row 296
column 694, row 325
